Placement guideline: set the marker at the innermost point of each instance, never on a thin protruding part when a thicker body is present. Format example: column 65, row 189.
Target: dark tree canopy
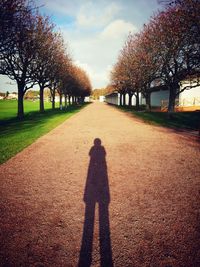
column 32, row 52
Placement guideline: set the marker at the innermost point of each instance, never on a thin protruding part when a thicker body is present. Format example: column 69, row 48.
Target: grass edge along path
column 188, row 120
column 15, row 135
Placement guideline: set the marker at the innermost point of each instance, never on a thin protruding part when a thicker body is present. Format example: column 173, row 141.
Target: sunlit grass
column 15, row 135
column 8, row 108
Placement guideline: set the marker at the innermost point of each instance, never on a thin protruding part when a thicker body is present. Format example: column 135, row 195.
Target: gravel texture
column 131, row 198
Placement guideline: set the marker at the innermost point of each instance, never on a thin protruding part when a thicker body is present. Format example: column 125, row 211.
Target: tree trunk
column 65, row 102
column 124, row 99
column 53, row 102
column 137, row 101
column 171, row 104
column 60, row 101
column 69, row 100
column 148, row 102
column 41, row 99
column 120, row 99
column 73, row 100
column 172, row 99
column 53, row 98
column 130, row 99
column 20, row 112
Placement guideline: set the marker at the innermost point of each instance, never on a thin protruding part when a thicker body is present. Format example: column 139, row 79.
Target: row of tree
column 32, row 52
column 163, row 54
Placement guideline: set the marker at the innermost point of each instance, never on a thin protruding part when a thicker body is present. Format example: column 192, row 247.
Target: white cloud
column 99, row 79
column 91, row 16
column 96, row 38
column 97, row 52
column 117, row 29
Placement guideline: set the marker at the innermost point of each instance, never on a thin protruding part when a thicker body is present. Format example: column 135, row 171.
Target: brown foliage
column 167, row 49
column 32, row 52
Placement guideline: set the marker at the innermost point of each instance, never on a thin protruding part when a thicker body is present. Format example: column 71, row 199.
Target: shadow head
column 97, row 142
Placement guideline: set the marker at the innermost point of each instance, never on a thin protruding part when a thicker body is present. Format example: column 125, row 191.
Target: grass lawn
column 15, row 135
column 183, row 120
column 8, row 108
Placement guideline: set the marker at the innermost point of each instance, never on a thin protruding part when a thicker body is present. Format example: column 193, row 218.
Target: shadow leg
column 104, row 235
column 85, row 257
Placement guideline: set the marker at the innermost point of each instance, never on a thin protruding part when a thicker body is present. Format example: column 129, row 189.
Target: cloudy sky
column 95, row 31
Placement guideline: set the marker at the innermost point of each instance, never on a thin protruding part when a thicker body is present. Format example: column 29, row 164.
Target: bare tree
column 17, row 55
column 31, row 52
column 178, row 45
column 167, row 49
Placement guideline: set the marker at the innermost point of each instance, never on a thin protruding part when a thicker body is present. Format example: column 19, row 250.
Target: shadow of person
column 96, row 191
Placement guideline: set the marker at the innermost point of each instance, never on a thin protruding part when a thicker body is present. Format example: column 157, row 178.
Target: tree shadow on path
column 96, row 191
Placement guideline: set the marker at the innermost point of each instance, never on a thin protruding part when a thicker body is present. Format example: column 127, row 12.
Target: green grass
column 8, row 108
column 182, row 120
column 15, row 135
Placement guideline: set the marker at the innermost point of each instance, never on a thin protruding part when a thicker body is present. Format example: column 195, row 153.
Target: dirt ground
column 102, row 189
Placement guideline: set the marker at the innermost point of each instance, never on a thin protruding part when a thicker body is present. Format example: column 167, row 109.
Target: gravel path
column 102, row 189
